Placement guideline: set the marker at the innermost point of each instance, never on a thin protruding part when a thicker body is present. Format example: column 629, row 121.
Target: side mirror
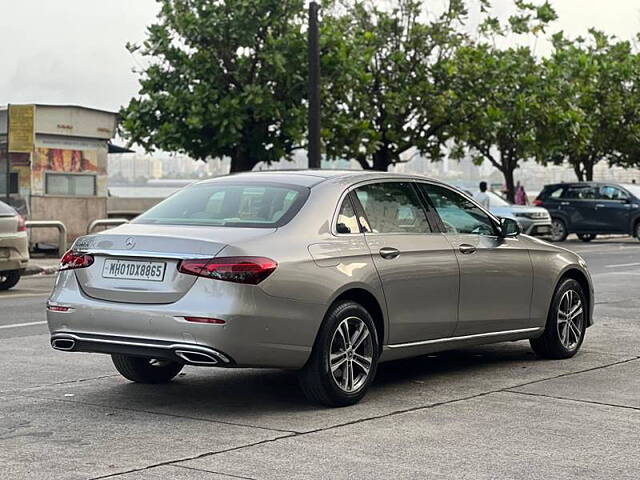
column 509, row 227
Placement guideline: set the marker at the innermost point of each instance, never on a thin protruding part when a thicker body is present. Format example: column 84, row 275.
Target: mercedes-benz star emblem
column 130, row 243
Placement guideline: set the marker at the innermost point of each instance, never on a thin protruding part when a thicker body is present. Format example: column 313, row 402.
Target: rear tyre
column 636, row 230
column 559, row 231
column 344, row 359
column 9, row 279
column 587, row 237
column 566, row 323
column 146, row 370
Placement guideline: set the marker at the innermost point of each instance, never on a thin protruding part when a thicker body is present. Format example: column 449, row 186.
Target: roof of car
column 586, row 184
column 311, row 177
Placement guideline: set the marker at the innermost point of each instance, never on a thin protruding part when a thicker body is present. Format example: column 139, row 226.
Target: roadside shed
column 58, row 164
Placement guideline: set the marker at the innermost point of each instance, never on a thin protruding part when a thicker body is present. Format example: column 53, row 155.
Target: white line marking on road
column 16, row 325
column 26, row 295
column 624, row 265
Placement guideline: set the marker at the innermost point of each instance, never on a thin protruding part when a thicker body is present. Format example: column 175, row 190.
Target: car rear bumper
column 14, row 251
column 190, row 354
column 259, row 330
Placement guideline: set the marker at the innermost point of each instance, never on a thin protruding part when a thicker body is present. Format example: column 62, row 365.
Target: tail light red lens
column 538, row 203
column 22, row 225
column 72, row 260
column 249, row 270
column 214, row 321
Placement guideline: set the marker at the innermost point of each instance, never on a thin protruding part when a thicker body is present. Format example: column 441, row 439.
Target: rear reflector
column 249, row 270
column 57, row 308
column 215, row 321
column 72, row 260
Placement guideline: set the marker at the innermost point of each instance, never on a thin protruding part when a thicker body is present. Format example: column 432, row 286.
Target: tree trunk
column 241, row 161
column 577, row 167
column 510, row 184
column 381, row 160
column 588, row 170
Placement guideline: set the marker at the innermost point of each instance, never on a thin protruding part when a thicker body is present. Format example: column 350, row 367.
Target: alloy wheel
column 351, row 354
column 558, row 231
column 570, row 319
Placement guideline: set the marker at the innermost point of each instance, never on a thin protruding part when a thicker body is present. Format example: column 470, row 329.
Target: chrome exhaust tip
column 196, row 358
column 65, row 344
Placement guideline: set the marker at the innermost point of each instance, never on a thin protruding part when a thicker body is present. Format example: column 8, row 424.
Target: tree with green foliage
column 498, row 95
column 502, row 103
column 593, row 93
column 384, row 89
column 223, row 78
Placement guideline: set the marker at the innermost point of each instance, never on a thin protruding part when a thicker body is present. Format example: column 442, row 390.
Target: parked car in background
column 14, row 246
column 533, row 220
column 327, row 272
column 589, row 209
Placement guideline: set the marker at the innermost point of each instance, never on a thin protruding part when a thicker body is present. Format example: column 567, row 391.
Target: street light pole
column 314, row 87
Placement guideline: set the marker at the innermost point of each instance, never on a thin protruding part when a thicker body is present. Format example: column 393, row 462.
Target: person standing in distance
column 482, row 197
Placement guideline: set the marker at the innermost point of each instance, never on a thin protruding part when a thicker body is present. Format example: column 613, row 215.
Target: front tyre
column 344, row 359
column 586, row 237
column 9, row 279
column 566, row 323
column 559, row 231
column 146, row 370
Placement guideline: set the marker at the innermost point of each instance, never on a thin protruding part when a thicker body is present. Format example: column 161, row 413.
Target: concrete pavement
column 489, row 412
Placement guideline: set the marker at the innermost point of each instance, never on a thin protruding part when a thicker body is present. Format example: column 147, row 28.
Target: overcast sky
column 73, row 51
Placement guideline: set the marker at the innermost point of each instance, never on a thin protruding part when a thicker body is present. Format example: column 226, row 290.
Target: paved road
column 481, row 413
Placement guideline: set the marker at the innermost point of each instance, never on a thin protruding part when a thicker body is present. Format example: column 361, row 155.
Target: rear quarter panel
column 314, row 265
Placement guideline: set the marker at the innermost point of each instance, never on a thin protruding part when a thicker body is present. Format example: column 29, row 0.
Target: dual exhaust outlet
column 190, row 357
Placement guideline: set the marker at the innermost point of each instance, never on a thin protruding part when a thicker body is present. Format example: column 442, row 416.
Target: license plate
column 134, row 270
column 544, row 229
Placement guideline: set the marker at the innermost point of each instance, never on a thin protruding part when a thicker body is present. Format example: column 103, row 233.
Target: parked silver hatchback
column 326, row 272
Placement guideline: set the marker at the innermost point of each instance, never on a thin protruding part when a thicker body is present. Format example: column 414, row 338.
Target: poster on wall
column 66, row 161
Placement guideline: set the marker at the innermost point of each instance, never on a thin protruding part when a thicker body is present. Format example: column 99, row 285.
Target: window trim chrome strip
column 465, row 337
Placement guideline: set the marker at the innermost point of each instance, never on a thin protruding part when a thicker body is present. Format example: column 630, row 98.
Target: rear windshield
column 6, row 210
column 265, row 205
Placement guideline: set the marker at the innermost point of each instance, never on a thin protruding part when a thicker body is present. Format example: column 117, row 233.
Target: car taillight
column 22, row 225
column 250, row 270
column 538, row 203
column 72, row 260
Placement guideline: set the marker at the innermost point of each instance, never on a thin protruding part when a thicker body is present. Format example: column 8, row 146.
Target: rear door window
column 580, row 192
column 393, row 207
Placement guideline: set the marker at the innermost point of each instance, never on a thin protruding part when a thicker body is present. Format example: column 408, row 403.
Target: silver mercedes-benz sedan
column 325, row 272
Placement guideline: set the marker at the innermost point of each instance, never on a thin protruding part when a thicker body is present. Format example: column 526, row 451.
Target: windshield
column 265, row 205
column 497, row 201
column 634, row 189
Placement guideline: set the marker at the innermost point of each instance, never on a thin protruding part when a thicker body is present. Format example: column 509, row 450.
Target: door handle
column 467, row 249
column 564, row 203
column 600, row 205
column 389, row 253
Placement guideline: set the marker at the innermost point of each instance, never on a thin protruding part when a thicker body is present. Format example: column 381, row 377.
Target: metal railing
column 62, row 231
column 106, row 222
